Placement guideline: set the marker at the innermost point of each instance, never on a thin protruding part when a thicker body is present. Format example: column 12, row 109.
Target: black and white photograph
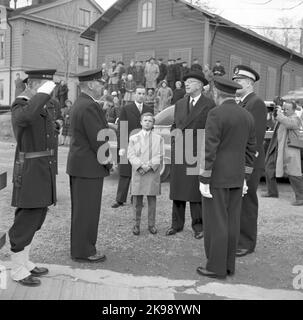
column 151, row 153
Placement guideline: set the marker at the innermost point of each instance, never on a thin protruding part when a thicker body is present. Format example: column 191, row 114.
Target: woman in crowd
column 164, row 95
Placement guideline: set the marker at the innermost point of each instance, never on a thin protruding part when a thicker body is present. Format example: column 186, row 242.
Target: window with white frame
column 84, row 18
column 147, row 15
column 84, row 55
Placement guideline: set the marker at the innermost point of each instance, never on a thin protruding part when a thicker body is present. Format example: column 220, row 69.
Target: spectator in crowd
column 196, row 67
column 145, row 153
column 164, row 95
column 184, row 70
column 19, row 85
column 178, row 93
column 209, row 76
column 122, row 86
column 113, row 74
column 162, row 69
column 139, row 74
column 150, row 100
column 130, row 87
column 66, row 114
column 218, row 69
column 131, row 69
column 102, row 99
column 171, row 76
column 151, row 73
column 62, row 93
column 112, row 109
column 281, row 158
column 121, row 69
column 105, row 76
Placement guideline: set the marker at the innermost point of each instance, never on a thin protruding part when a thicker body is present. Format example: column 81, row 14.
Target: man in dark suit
column 85, row 170
column 34, row 175
column 246, row 77
column 226, row 161
column 130, row 117
column 163, row 70
column 190, row 116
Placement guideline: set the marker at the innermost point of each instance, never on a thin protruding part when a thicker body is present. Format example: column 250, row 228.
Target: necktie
column 140, row 108
column 191, row 105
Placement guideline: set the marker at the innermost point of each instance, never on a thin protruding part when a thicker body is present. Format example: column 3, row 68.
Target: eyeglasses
column 190, row 81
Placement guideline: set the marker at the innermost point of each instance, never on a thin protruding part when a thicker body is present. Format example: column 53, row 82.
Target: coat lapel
column 198, row 108
column 133, row 108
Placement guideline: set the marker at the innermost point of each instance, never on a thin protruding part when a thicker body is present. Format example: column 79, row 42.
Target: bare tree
column 203, row 4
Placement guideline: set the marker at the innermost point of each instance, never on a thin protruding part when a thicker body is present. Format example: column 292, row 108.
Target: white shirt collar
column 139, row 104
column 92, row 97
column 242, row 99
column 195, row 99
column 146, row 133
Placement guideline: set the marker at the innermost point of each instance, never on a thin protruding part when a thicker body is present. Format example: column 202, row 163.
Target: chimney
column 5, row 3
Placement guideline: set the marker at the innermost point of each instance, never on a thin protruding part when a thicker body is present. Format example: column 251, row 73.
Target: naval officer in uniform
column 34, row 175
column 85, row 171
column 226, row 162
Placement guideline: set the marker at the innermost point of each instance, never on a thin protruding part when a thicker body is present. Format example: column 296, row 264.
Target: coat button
column 50, row 162
column 47, row 136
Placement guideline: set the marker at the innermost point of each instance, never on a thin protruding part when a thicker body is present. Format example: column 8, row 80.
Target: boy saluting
column 145, row 153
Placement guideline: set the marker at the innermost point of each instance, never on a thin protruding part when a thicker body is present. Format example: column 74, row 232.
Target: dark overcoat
column 34, row 128
column 131, row 114
column 230, row 146
column 185, row 187
column 257, row 108
column 86, row 122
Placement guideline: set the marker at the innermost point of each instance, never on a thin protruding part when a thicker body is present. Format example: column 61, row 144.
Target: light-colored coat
column 151, row 74
column 288, row 159
column 146, row 149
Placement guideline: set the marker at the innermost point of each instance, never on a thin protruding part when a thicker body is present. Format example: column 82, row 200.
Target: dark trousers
column 271, row 184
column 138, row 205
column 26, row 223
column 249, row 213
column 122, row 191
column 221, row 218
column 297, row 185
column 86, row 197
column 178, row 215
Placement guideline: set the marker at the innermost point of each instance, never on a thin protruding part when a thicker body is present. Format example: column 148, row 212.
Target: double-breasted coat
column 34, row 128
column 129, row 114
column 146, row 148
column 185, row 187
column 87, row 120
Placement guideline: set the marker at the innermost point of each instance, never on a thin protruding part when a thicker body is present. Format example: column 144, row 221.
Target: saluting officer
column 34, row 175
column 227, row 160
column 85, row 171
column 246, row 77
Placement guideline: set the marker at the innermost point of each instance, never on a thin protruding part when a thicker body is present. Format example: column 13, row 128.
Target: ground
column 279, row 247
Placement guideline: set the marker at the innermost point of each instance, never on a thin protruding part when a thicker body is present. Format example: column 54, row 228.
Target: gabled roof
column 43, row 6
column 119, row 6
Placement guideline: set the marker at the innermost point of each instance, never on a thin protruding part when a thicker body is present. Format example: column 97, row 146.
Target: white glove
column 245, row 188
column 47, row 87
column 108, row 160
column 121, row 152
column 205, row 190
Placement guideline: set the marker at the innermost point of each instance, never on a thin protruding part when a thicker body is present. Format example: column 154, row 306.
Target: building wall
column 121, row 36
column 230, row 46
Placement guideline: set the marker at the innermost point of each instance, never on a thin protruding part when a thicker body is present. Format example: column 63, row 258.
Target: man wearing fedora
column 86, row 171
column 190, row 116
column 34, row 175
column 227, row 160
column 246, row 77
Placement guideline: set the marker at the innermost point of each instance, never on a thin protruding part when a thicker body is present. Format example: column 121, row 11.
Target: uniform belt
column 39, row 154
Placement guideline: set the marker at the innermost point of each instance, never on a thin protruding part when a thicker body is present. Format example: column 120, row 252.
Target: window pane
column 144, row 15
column 150, row 15
column 1, row 47
column 86, row 56
column 1, row 89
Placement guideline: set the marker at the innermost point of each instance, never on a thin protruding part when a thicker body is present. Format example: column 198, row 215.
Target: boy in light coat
column 145, row 153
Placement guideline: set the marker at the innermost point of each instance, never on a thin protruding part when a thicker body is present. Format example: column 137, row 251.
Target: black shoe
column 38, row 272
column 152, row 230
column 199, row 235
column 267, row 195
column 203, row 272
column 92, row 259
column 230, row 273
column 30, row 281
column 117, row 205
column 136, row 230
column 171, row 231
column 242, row 252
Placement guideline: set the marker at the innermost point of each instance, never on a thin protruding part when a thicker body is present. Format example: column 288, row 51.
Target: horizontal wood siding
column 229, row 42
column 172, row 30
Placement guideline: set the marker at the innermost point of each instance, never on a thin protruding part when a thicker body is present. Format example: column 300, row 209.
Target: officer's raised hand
column 47, row 87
